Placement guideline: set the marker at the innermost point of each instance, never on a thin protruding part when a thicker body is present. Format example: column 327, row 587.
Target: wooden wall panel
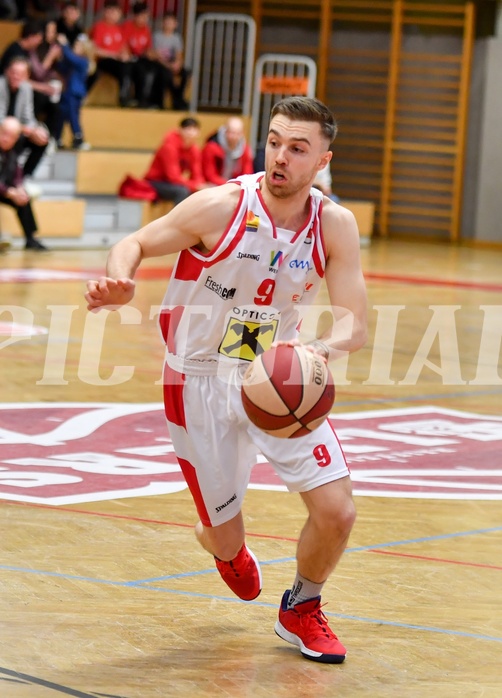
column 396, row 75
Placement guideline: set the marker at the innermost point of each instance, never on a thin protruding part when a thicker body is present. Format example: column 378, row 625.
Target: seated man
column 12, row 191
column 176, row 170
column 112, row 55
column 226, row 154
column 16, row 99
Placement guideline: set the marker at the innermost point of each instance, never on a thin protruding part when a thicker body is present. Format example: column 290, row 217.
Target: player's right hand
column 107, row 292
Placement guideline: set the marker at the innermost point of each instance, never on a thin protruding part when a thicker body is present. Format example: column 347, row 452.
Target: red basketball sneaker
column 242, row 574
column 306, row 626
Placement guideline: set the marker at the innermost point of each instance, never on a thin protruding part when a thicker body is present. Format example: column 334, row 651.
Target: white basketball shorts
column 216, row 446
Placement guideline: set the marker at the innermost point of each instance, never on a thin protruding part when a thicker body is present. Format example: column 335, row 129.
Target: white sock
column 303, row 590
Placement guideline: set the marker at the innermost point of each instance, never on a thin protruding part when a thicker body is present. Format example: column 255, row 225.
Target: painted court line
column 438, row 559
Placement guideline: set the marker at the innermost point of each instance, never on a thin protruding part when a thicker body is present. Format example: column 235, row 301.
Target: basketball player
column 252, row 252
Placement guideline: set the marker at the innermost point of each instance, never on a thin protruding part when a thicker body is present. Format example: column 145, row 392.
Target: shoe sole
column 308, row 654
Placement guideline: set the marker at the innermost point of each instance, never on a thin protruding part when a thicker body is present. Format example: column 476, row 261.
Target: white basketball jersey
column 230, row 304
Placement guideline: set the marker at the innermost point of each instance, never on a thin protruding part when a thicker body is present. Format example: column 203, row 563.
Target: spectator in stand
column 8, row 9
column 323, row 182
column 16, row 99
column 112, row 55
column 12, row 191
column 46, row 79
column 69, row 22
column 31, row 37
column 176, row 169
column 172, row 75
column 75, row 66
column 226, row 154
column 138, row 38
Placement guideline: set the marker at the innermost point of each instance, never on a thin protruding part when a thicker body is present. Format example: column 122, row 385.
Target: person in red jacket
column 176, row 170
column 226, row 154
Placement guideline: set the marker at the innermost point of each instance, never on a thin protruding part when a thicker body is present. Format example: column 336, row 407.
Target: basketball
column 288, row 391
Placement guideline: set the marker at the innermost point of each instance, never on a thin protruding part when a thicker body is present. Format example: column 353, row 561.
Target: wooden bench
column 137, row 129
column 55, row 218
column 102, row 171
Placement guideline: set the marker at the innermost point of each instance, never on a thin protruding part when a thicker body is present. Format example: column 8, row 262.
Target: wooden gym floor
column 113, row 597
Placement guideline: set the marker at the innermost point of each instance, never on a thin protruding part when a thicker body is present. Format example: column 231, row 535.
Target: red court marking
column 425, row 281
column 437, row 559
column 133, row 518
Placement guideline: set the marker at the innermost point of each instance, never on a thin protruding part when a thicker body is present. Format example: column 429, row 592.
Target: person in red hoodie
column 226, row 154
column 176, row 169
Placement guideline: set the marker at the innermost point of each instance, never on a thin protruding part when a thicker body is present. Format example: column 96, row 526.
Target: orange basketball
column 288, row 391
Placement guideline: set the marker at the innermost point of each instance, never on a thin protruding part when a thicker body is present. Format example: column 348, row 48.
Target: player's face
column 294, row 153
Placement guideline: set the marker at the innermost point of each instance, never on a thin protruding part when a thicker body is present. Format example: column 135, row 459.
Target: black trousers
column 35, row 154
column 170, row 192
column 46, row 111
column 144, row 76
column 25, row 216
column 120, row 70
column 175, row 84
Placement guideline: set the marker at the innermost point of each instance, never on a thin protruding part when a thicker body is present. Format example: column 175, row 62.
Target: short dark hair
column 31, row 27
column 139, row 8
column 189, row 121
column 308, row 109
column 111, row 3
column 169, row 15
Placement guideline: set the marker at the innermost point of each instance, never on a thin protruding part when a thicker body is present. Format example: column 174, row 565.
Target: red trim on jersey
column 169, row 320
column 188, row 267
column 174, row 405
column 207, row 257
column 190, row 475
column 318, row 242
column 274, row 229
column 309, row 223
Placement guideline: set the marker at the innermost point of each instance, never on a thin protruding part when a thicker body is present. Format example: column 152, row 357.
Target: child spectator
column 69, row 22
column 172, row 75
column 76, row 64
column 138, row 38
column 112, row 55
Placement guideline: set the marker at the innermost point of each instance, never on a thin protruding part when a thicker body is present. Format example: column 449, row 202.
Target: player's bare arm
column 196, row 222
column 344, row 281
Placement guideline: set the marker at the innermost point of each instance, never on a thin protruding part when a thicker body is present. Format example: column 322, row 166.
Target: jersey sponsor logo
column 296, row 297
column 252, row 222
column 219, row 289
column 246, row 255
column 300, row 264
column 276, row 259
column 245, row 340
column 69, row 453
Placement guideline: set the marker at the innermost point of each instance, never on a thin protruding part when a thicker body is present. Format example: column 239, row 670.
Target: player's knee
column 338, row 521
